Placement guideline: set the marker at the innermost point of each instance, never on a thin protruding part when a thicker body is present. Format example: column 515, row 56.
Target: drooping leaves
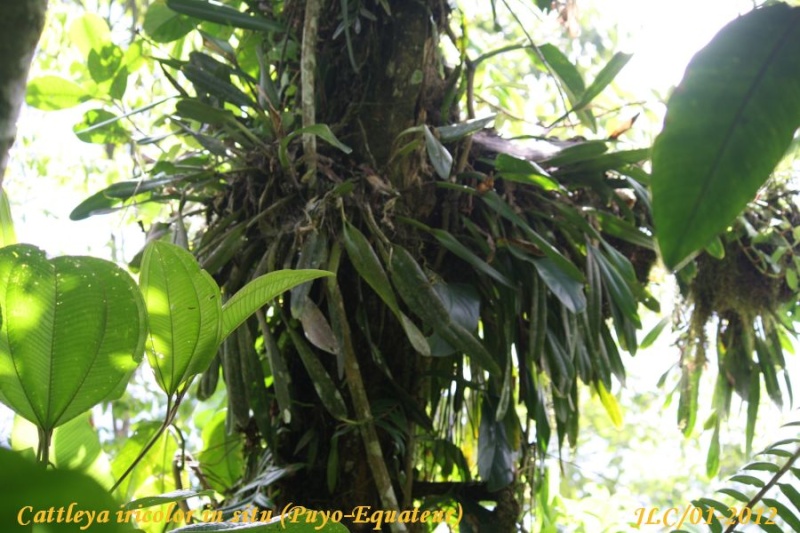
column 727, row 125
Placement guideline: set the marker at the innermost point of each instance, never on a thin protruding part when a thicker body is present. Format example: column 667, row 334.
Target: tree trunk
column 384, row 82
column 20, row 27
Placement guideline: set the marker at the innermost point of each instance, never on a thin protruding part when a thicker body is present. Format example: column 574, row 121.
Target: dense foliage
column 478, row 282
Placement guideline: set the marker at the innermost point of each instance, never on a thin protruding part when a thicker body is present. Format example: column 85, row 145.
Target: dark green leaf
column 456, row 247
column 369, row 267
column 495, row 459
column 786, row 514
column 570, row 80
column 104, row 63
column 164, row 25
column 727, row 125
column 567, row 290
column 323, row 384
column 222, row 14
column 502, row 208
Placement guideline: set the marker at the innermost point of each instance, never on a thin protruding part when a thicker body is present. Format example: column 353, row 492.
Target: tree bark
column 20, row 28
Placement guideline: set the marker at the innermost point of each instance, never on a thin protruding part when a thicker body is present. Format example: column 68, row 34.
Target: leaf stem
column 172, row 410
column 771, row 483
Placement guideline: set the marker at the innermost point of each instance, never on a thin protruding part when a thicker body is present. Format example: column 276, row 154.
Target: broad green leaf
column 7, row 234
column 164, row 25
column 206, row 81
column 441, row 159
column 259, row 292
column 791, row 493
column 614, row 280
column 101, row 127
column 735, row 494
column 184, row 313
column 89, row 32
column 753, row 399
column 53, row 92
column 728, row 124
column 748, row 480
column 454, row 132
column 622, row 229
column 29, row 488
column 103, row 64
column 710, row 508
column 715, row 248
column 222, row 14
column 120, row 84
column 762, row 466
column 73, row 332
